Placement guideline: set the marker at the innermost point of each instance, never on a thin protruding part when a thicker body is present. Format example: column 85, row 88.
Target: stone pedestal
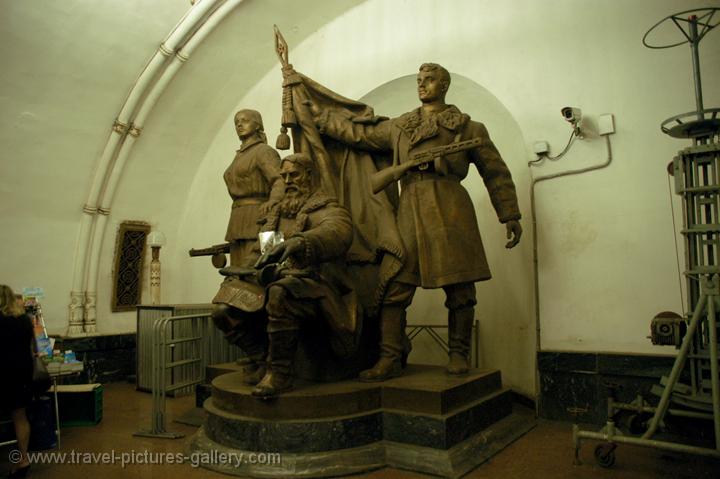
column 424, row 421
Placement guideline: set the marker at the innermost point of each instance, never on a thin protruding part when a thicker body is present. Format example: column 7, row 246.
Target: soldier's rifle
column 420, row 161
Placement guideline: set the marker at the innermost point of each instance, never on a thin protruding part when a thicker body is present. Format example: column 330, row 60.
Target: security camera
column 571, row 114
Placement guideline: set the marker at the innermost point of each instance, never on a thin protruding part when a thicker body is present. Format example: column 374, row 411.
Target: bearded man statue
column 262, row 306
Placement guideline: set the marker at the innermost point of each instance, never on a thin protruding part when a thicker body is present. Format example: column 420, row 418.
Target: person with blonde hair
column 16, row 351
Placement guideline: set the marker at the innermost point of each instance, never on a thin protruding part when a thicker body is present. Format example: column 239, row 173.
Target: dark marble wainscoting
column 575, row 386
column 107, row 358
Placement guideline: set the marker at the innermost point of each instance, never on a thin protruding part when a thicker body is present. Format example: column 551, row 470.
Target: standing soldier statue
column 435, row 216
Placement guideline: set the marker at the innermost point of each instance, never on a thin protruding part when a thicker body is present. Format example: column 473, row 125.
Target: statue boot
column 248, row 336
column 392, row 346
column 279, row 375
column 255, row 348
column 459, row 334
column 254, row 370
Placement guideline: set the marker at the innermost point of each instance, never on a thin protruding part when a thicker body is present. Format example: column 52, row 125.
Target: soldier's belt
column 415, row 176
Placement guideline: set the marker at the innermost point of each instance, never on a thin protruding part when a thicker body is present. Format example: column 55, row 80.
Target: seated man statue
column 298, row 278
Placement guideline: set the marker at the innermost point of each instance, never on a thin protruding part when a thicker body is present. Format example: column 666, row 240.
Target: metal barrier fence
column 431, row 330
column 216, row 348
column 189, row 351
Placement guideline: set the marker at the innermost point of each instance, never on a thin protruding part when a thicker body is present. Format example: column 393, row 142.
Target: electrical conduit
column 536, row 273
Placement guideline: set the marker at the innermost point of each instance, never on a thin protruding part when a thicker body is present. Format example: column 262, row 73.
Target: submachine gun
column 421, row 161
column 217, row 253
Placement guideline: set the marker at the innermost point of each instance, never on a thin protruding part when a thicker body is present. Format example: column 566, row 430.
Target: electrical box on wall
column 541, row 147
column 606, row 124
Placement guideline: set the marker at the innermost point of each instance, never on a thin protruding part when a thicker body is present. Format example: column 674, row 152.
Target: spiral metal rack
column 693, row 384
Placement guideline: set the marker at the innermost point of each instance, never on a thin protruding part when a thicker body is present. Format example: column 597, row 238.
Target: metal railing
column 217, row 349
column 188, row 351
column 431, row 330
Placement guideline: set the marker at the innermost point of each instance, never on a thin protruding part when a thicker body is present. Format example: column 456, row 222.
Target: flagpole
column 288, row 115
column 296, row 115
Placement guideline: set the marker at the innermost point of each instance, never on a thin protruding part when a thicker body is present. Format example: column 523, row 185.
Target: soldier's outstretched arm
column 372, row 137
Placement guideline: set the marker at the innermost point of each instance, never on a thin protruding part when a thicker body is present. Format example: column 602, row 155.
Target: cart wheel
column 605, row 454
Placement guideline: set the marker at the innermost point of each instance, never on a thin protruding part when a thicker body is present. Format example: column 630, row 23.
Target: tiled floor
column 545, row 452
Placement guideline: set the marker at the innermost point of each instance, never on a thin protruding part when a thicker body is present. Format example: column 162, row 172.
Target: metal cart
column 693, row 385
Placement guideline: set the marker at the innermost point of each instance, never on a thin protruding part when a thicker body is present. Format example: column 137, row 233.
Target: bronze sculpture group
column 336, row 233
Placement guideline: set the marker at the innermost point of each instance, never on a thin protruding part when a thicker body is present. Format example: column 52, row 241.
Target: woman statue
column 16, row 343
column 253, row 181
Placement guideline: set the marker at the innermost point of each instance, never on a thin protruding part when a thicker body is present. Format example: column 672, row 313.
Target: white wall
column 607, row 258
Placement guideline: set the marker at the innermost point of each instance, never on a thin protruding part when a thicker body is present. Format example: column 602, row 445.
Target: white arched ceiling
column 172, row 53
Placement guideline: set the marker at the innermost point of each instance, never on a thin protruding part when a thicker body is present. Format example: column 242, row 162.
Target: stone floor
column 544, row 452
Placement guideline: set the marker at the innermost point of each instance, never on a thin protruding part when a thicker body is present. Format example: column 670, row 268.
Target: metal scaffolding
column 693, row 384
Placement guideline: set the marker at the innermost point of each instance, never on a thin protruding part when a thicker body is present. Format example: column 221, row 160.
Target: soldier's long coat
column 435, row 215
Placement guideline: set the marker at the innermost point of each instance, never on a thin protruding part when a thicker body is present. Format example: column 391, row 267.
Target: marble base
column 424, row 421
column 452, row 463
column 464, row 456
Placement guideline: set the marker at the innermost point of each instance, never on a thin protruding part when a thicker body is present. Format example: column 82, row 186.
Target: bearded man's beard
column 291, row 203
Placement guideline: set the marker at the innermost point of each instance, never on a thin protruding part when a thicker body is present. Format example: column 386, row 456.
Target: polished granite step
column 425, row 420
column 439, row 431
column 421, row 389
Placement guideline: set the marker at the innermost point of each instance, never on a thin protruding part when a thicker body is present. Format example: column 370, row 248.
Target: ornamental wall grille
column 129, row 262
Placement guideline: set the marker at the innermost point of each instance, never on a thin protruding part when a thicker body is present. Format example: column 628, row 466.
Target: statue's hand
column 288, row 71
column 514, row 232
column 282, row 251
column 312, row 107
column 266, row 207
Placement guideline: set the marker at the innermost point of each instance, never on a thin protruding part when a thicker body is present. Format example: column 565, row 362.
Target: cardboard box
column 80, row 404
